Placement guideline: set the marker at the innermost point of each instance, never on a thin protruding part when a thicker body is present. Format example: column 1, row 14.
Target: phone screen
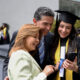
column 71, row 56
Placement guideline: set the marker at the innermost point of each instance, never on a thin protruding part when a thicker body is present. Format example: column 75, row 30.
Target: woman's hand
column 48, row 69
column 6, row 78
column 67, row 64
column 57, row 66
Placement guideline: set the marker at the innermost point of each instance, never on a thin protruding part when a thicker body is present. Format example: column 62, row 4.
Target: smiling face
column 64, row 29
column 31, row 42
column 45, row 23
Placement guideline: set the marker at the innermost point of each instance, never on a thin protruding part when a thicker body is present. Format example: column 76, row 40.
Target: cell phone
column 71, row 56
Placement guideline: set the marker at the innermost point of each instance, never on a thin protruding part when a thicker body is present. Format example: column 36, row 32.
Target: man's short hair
column 43, row 11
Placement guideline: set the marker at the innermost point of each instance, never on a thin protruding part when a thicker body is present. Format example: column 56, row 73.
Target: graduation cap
column 67, row 17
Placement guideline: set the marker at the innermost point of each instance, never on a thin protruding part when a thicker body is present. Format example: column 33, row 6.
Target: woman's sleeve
column 21, row 69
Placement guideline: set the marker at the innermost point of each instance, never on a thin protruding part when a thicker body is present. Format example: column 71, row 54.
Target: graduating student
column 64, row 46
column 4, row 34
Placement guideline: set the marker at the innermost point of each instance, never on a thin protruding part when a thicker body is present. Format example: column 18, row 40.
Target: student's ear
column 34, row 21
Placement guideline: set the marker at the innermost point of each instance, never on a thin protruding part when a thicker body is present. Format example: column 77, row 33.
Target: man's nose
column 48, row 27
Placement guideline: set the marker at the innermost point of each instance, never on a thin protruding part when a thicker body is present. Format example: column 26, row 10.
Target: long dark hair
column 56, row 38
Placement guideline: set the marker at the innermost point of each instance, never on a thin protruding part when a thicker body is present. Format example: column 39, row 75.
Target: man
column 43, row 17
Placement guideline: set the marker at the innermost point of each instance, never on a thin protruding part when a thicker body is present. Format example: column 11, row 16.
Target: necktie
column 41, row 50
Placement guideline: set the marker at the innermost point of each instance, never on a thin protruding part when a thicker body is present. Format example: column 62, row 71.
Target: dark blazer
column 78, row 56
column 12, row 40
column 47, row 43
column 76, row 76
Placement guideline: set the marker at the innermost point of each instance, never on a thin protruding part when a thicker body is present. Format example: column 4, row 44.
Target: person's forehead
column 43, row 16
column 65, row 23
column 47, row 18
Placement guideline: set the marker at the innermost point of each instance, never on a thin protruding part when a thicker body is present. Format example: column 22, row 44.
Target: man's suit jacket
column 47, row 42
column 12, row 40
column 22, row 66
